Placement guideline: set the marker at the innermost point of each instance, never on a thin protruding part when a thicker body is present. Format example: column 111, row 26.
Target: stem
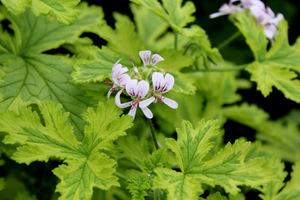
column 153, row 133
column 222, row 69
column 230, row 39
column 190, row 45
column 121, row 176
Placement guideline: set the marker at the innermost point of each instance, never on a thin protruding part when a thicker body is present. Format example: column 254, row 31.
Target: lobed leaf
column 63, row 11
column 273, row 67
column 50, row 136
column 282, row 137
column 174, row 13
column 33, row 75
column 228, row 168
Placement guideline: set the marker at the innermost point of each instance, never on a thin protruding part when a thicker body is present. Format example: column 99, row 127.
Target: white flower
column 161, row 85
column 145, row 56
column 138, row 90
column 226, row 9
column 118, row 76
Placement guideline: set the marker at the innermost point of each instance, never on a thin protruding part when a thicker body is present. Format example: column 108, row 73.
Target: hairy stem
column 121, row 176
column 230, row 39
column 153, row 133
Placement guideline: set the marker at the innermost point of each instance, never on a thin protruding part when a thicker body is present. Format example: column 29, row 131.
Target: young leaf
column 227, row 168
column 139, row 187
column 273, row 67
column 33, row 75
column 86, row 167
column 176, row 15
column 63, row 11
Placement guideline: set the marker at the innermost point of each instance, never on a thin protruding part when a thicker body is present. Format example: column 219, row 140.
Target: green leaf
column 253, row 34
column 86, row 166
column 292, row 188
column 173, row 63
column 227, row 168
column 63, row 11
column 152, row 29
column 176, row 15
column 282, row 78
column 282, row 137
column 123, row 39
column 98, row 66
column 32, row 75
column 275, row 66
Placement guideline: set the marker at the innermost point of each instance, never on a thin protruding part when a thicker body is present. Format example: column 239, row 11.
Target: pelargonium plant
column 149, row 104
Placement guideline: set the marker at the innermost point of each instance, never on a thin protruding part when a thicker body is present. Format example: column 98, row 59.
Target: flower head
column 264, row 16
column 137, row 84
column 137, row 90
column 161, row 85
column 118, row 76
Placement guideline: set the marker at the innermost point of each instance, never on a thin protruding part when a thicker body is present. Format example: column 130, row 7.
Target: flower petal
column 146, row 102
column 118, row 101
column 147, row 112
column 132, row 111
column 131, row 87
column 145, row 56
column 169, row 102
column 155, row 59
column 169, row 82
column 157, row 80
column 142, row 89
column 123, row 79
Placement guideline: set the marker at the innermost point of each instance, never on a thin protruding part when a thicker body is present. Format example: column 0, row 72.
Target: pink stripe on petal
column 142, row 89
column 169, row 102
column 145, row 56
column 123, row 79
column 155, row 59
column 131, row 87
column 169, row 82
column 157, row 80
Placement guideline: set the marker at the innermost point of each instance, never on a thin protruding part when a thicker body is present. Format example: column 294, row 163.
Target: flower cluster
column 145, row 85
column 264, row 16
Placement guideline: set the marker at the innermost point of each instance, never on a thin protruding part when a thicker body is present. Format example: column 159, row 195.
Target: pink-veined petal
column 147, row 102
column 132, row 111
column 169, row 82
column 147, row 112
column 131, row 87
column 123, row 79
column 169, row 102
column 118, row 101
column 157, row 80
column 155, row 59
column 145, row 56
column 142, row 89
